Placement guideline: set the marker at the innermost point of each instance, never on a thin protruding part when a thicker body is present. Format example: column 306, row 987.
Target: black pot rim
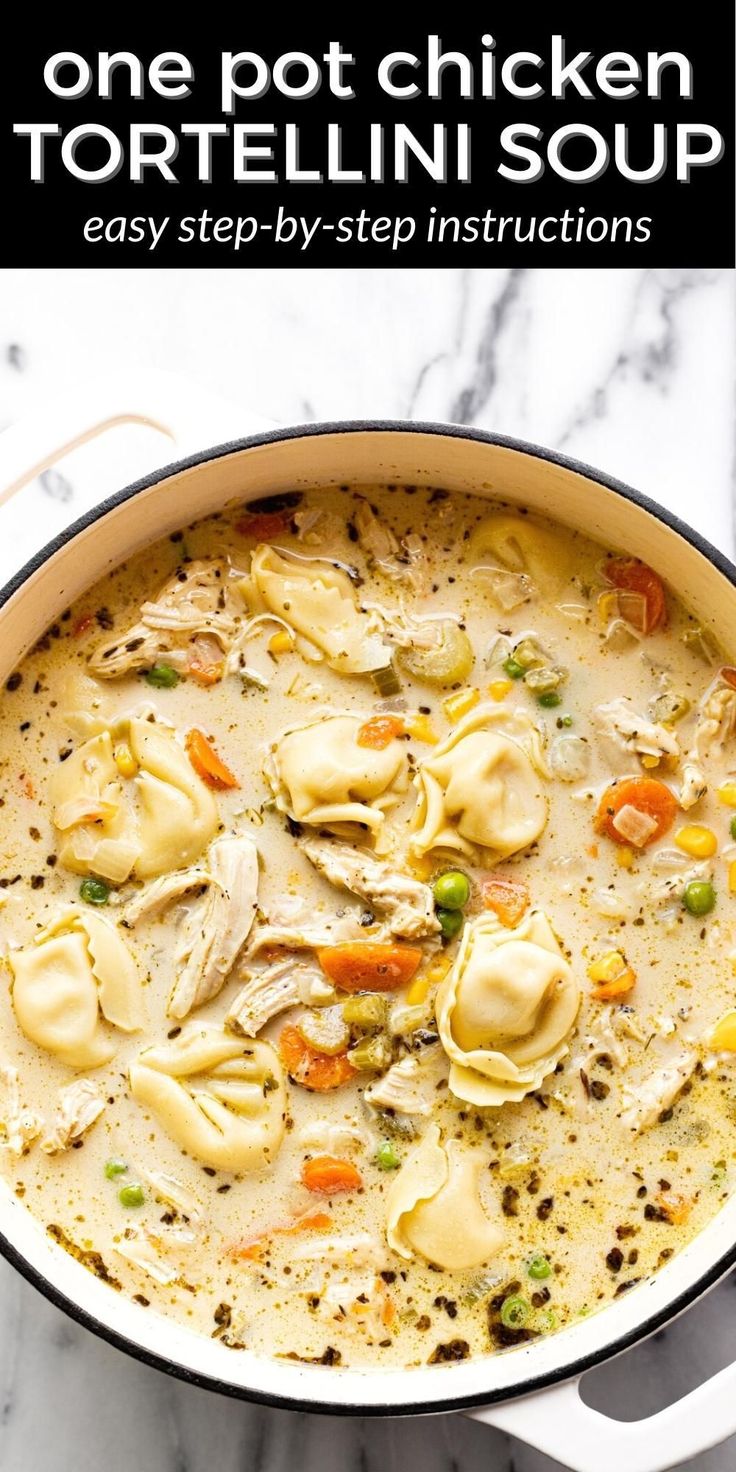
column 318, row 1405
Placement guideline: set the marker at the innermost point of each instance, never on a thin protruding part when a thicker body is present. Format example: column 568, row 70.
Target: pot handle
column 189, row 416
column 558, row 1422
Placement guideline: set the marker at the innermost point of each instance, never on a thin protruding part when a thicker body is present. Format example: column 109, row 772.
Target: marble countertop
column 629, row 370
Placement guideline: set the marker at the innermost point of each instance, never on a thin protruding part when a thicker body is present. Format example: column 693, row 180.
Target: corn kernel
column 456, row 706
column 281, row 642
column 649, row 761
column 727, row 794
column 607, row 967
column 499, row 689
column 420, row 727
column 418, row 990
column 723, row 1036
column 124, row 760
column 732, row 877
column 699, row 842
column 625, row 856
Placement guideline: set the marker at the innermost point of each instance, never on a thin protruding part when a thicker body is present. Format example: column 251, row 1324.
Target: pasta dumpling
column 160, row 819
column 435, row 1210
column 481, row 789
column 506, row 1009
column 222, row 1099
column 76, row 969
column 320, row 774
column 316, row 599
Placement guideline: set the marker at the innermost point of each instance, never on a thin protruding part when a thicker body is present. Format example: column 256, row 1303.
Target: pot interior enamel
column 457, row 460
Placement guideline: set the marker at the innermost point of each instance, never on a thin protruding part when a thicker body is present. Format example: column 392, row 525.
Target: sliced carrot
column 319, row 1072
column 368, row 966
column 379, row 732
column 264, row 526
column 252, row 1248
column 207, row 763
column 645, row 794
column 327, row 1175
column 82, row 625
column 508, row 898
column 674, row 1207
column 728, row 675
column 629, row 573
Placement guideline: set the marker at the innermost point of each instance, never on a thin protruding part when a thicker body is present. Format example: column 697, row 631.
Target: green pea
column 94, row 891
column 131, row 1195
column 538, row 1268
column 162, row 676
column 699, row 897
column 514, row 670
column 386, row 1157
column 451, row 890
column 514, row 1312
column 451, row 921
column 732, row 827
column 549, row 698
column 115, row 1168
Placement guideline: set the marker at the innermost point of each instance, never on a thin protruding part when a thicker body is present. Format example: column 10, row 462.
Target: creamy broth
column 499, row 1120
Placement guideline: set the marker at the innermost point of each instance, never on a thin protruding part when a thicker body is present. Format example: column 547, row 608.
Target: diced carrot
column 728, row 675
column 629, row 573
column 508, row 898
column 388, row 1312
column 205, row 674
column 368, row 966
column 648, row 796
column 379, row 732
column 675, row 1207
column 207, row 763
column 82, row 625
column 327, row 1175
column 264, row 526
column 319, row 1072
column 252, row 1248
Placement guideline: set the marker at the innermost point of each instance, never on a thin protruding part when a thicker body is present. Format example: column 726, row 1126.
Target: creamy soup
column 368, row 927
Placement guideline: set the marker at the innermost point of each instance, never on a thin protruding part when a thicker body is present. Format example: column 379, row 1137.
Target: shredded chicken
column 307, row 936
column 406, row 902
column 217, row 928
column 402, row 562
column 80, row 1104
column 173, row 1193
column 20, row 1126
column 193, row 618
column 644, row 1103
column 267, row 993
column 324, row 1136
column 149, row 1250
column 715, row 725
column 622, row 725
column 409, row 1086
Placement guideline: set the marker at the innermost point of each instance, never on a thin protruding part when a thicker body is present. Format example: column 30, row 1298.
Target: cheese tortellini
column 160, row 819
column 480, row 789
column 76, row 971
column 506, row 1010
column 320, row 774
column 435, row 1210
column 317, row 600
column 222, row 1099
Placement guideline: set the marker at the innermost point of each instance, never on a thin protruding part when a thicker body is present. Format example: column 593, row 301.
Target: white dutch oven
column 533, row 1391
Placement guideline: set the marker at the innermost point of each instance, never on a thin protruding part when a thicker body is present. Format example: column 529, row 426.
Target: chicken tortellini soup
column 368, row 912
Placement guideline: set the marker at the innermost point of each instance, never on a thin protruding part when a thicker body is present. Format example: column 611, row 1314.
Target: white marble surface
column 633, row 371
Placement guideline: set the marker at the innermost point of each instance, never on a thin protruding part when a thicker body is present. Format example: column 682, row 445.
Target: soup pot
column 532, row 1391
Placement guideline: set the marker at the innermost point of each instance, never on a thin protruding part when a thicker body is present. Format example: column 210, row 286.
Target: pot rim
column 648, row 1324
